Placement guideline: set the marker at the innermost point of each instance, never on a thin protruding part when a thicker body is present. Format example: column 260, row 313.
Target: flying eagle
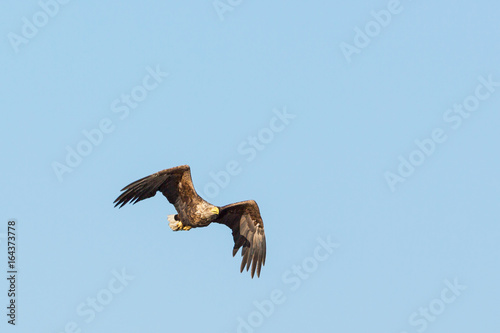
column 243, row 218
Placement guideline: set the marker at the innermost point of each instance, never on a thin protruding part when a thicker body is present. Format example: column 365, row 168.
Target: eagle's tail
column 175, row 224
column 172, row 222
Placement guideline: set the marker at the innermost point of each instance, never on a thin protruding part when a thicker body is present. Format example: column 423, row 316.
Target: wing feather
column 248, row 233
column 174, row 183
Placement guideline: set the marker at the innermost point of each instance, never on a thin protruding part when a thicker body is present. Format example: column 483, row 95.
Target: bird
column 176, row 184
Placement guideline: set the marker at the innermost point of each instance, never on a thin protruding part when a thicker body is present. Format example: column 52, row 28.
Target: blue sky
column 367, row 132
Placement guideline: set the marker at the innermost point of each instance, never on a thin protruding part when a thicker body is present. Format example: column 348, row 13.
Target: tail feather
column 173, row 223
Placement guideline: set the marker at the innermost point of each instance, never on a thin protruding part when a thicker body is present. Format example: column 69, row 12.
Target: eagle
column 243, row 218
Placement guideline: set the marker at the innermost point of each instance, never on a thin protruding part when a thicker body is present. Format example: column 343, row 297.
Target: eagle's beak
column 215, row 210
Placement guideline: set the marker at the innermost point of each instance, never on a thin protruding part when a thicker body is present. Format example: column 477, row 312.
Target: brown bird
column 243, row 218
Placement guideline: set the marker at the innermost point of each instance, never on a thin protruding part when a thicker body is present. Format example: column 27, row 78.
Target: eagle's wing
column 174, row 183
column 248, row 231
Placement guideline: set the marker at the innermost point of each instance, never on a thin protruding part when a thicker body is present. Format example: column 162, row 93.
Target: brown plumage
column 243, row 218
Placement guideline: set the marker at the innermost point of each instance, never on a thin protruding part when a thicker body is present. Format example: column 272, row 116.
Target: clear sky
column 366, row 131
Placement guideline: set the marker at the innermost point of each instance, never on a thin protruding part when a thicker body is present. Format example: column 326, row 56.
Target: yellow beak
column 215, row 210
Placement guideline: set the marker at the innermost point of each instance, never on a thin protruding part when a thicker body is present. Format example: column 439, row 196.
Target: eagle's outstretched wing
column 248, row 232
column 175, row 184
